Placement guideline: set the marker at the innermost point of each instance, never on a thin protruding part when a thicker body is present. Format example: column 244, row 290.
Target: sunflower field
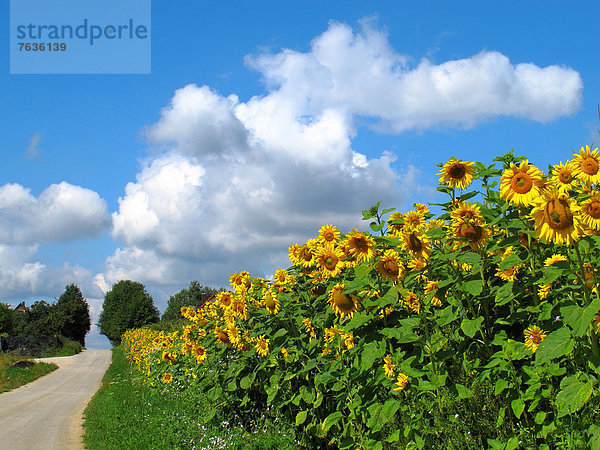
column 473, row 328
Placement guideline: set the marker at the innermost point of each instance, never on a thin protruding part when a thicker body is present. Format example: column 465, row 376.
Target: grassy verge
column 126, row 414
column 13, row 377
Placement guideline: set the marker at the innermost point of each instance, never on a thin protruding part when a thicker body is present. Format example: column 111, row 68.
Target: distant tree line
column 128, row 305
column 69, row 316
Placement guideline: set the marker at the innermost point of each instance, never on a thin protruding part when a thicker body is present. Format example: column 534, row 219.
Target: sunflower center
column 391, row 268
column 565, row 176
column 594, row 210
column 457, row 171
column 329, row 236
column 305, row 253
column 330, row 262
column 470, row 232
column 343, row 301
column 558, row 214
column 521, row 183
column 361, row 244
column 270, row 302
column 590, row 166
column 415, row 243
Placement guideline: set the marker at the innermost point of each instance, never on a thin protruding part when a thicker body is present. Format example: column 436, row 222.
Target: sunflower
column 533, row 337
column 432, row 287
column 360, row 245
column 343, row 304
column 167, row 378
column 280, row 276
column 509, row 274
column 417, row 244
column 521, row 185
column 457, row 173
column 554, row 259
column 224, row 299
column 330, row 259
column 401, row 382
column 395, row 227
column 474, row 233
column 308, row 326
column 348, row 341
column 262, row 346
column 564, row 176
column 222, row 336
column 390, row 267
column 410, row 300
column 233, row 333
column 587, row 165
column 421, row 208
column 544, row 290
column 466, row 212
column 328, row 233
column 270, row 301
column 199, row 353
column 388, row 367
column 238, row 280
column 556, row 218
column 590, row 212
column 331, row 332
column 413, row 220
column 285, row 353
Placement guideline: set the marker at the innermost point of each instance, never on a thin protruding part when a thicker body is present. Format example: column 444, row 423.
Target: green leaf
column 473, row 287
column 357, row 321
column 517, row 406
column 446, row 316
column 556, row 344
column 301, row 417
column 247, row 380
column 402, row 335
column 573, row 395
column 501, row 384
column 510, row 261
column 362, row 270
column 593, row 432
column 578, row 318
column 540, row 417
column 471, row 326
column 370, row 353
column 331, row 420
column 504, row 294
column 551, row 273
column 463, row 392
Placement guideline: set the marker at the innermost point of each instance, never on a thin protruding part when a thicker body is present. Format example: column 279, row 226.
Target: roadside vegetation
column 126, row 413
column 13, row 377
column 473, row 327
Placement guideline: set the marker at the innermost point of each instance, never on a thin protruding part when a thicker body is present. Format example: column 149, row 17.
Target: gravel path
column 47, row 413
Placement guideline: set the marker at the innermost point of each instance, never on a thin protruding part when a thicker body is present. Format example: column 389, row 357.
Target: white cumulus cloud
column 228, row 185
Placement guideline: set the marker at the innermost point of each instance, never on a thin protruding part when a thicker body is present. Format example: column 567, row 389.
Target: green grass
column 126, row 414
column 13, row 377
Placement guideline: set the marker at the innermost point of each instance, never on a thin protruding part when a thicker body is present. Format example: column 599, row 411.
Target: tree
column 127, row 305
column 194, row 296
column 73, row 314
column 40, row 319
column 7, row 318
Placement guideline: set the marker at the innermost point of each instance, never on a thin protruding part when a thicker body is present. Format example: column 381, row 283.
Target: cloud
column 228, row 185
column 362, row 75
column 62, row 212
column 33, row 151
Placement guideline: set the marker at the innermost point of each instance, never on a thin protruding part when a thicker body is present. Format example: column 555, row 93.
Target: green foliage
column 193, row 296
column 476, row 336
column 127, row 305
column 13, row 377
column 7, row 319
column 126, row 413
column 73, row 314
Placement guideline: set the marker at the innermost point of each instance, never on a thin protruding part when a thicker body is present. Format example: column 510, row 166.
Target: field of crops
column 465, row 324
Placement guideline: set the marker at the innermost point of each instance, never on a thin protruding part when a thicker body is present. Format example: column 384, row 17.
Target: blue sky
column 262, row 121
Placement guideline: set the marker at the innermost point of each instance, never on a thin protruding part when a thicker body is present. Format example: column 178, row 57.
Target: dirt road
column 47, row 413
